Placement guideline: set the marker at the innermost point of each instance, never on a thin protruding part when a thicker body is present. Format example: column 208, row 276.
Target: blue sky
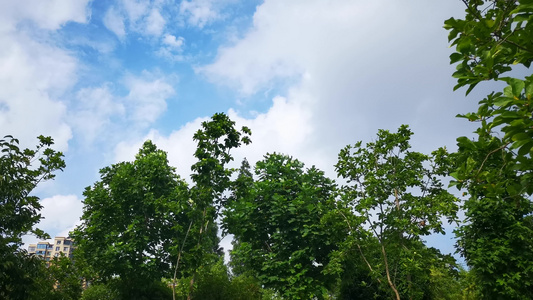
column 307, row 76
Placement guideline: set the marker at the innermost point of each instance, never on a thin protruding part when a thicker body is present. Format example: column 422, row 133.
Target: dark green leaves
column 278, row 225
column 133, row 219
column 19, row 175
column 20, row 172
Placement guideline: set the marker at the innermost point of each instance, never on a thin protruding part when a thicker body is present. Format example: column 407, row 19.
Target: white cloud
column 179, row 145
column 147, row 96
column 36, row 74
column 200, row 12
column 173, row 42
column 96, row 107
column 291, row 38
column 34, row 77
column 114, row 21
column 49, row 15
column 99, row 114
column 155, row 23
column 141, row 16
column 60, row 212
column 135, row 9
column 172, row 48
column 368, row 65
column 60, row 215
column 285, row 128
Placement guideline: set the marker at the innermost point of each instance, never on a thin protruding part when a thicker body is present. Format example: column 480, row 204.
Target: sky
column 307, row 76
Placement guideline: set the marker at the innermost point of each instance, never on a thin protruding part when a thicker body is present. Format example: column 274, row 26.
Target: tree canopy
column 133, row 220
column 277, row 223
column 496, row 168
column 21, row 170
column 396, row 198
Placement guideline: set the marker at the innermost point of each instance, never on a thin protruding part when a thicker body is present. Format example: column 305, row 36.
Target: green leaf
column 516, row 85
column 503, row 101
column 525, row 149
column 455, row 57
column 521, row 136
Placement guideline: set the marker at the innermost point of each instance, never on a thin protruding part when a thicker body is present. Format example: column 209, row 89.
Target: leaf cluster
column 493, row 36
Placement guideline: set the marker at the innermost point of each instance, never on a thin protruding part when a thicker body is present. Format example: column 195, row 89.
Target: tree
column 66, row 278
column 20, row 172
column 397, row 195
column 277, row 221
column 211, row 177
column 496, row 168
column 133, row 221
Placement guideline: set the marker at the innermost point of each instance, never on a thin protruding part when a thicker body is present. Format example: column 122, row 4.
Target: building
column 48, row 250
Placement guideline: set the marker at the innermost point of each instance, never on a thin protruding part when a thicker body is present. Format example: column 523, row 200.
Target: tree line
column 147, row 234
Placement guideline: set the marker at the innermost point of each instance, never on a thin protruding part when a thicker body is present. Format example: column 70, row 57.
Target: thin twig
column 490, row 153
column 178, row 262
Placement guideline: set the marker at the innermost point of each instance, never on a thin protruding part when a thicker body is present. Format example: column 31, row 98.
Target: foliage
column 19, row 211
column 213, row 282
column 497, row 239
column 494, row 36
column 397, row 194
column 113, row 289
column 496, row 167
column 100, row 291
column 133, row 219
column 356, row 280
column 277, row 223
column 66, row 277
column 211, row 178
column 469, row 288
column 24, row 277
column 20, row 172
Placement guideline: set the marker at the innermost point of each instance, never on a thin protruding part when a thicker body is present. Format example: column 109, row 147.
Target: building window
column 40, row 252
column 65, row 249
column 50, row 246
column 56, row 255
column 48, row 253
column 57, row 248
column 66, row 242
column 42, row 246
column 59, row 242
column 31, row 249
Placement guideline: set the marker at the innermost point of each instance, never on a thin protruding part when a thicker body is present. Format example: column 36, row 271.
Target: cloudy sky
column 308, row 77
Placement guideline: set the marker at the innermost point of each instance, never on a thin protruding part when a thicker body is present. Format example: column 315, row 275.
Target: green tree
column 214, row 282
column 496, row 167
column 100, row 291
column 20, row 172
column 211, row 178
column 66, row 278
column 134, row 219
column 277, row 221
column 397, row 195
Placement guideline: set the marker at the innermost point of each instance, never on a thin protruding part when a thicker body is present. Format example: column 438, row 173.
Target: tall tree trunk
column 391, row 284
